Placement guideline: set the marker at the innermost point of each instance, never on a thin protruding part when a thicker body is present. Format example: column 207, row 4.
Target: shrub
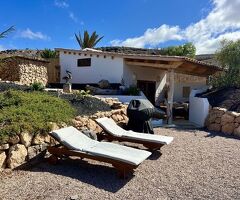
column 37, row 86
column 31, row 111
column 48, row 53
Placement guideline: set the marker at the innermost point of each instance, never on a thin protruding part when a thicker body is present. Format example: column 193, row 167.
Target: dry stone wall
column 23, row 70
column 28, row 148
column 30, row 73
column 221, row 120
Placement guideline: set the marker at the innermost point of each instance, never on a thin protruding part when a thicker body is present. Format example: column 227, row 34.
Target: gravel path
column 195, row 166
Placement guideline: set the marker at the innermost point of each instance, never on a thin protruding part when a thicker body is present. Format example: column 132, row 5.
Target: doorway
column 148, row 88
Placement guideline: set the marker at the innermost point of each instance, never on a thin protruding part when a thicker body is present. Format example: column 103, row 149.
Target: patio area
column 196, row 165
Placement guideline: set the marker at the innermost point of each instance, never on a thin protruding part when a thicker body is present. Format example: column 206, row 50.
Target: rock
column 104, row 84
column 26, row 138
column 222, row 110
column 16, row 156
column 234, row 114
column 226, row 118
column 214, row 127
column 91, row 124
column 116, row 105
column 115, row 118
column 34, row 151
column 4, row 147
column 78, row 118
column 218, row 120
column 54, row 126
column 119, row 117
column 237, row 131
column 74, row 197
column 2, row 159
column 228, row 128
column 14, row 139
column 38, row 139
column 237, row 120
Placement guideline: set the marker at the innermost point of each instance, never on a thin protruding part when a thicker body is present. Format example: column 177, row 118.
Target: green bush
column 48, row 53
column 31, row 111
column 37, row 86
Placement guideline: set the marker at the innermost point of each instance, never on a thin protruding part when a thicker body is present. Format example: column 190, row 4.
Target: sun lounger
column 75, row 143
column 115, row 132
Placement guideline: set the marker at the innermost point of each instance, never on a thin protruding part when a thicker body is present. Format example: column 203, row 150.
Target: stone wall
column 30, row 73
column 27, row 148
column 228, row 122
column 23, row 70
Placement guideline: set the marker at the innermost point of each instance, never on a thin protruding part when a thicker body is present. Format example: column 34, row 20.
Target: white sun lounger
column 77, row 144
column 115, row 132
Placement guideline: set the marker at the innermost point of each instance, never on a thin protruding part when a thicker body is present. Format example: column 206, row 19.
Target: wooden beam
column 170, row 95
column 154, row 65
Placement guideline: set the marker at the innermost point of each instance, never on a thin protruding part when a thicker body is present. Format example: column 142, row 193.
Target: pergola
column 172, row 64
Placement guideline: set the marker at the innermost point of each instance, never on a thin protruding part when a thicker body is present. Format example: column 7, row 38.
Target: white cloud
column 222, row 22
column 61, row 4
column 29, row 34
column 152, row 37
column 73, row 17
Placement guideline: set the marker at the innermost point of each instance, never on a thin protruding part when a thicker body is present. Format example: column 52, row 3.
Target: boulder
column 214, row 127
column 237, row 131
column 16, row 156
column 104, row 84
column 237, row 120
column 91, row 125
column 228, row 128
column 226, row 118
column 26, row 138
column 39, row 139
column 2, row 159
column 14, row 139
column 234, row 114
column 4, row 147
column 218, row 120
column 34, row 151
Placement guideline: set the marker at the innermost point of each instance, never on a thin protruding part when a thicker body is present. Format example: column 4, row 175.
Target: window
column 85, row 62
column 186, row 92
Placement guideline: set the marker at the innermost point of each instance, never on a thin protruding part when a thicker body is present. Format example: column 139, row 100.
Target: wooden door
column 148, row 88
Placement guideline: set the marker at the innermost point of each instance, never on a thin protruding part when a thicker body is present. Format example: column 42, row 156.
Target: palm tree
column 88, row 41
column 6, row 32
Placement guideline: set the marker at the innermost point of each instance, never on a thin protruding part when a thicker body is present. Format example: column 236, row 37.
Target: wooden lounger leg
column 123, row 171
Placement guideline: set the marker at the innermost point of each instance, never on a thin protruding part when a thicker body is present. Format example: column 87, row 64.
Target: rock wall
column 228, row 122
column 30, row 73
column 30, row 149
column 23, row 70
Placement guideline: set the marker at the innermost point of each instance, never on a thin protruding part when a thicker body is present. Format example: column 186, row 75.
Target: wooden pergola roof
column 179, row 64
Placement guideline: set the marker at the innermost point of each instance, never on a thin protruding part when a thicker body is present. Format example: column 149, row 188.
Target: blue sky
column 138, row 23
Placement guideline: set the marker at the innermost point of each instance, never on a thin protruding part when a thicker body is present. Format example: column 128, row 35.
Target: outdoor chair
column 75, row 143
column 114, row 132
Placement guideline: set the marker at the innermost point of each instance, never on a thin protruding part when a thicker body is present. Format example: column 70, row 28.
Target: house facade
column 150, row 73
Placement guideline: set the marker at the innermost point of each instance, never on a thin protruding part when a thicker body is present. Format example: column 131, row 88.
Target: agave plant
column 48, row 53
column 88, row 41
column 6, row 32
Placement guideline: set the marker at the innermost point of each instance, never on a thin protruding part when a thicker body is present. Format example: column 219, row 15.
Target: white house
column 148, row 72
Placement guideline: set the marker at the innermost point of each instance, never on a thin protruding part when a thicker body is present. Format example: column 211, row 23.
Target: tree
column 88, row 41
column 187, row 49
column 48, row 53
column 6, row 32
column 228, row 57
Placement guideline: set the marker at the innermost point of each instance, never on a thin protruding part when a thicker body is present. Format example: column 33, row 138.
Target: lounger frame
column 60, row 151
column 153, row 146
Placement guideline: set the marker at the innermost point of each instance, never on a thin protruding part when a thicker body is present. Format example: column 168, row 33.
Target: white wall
column 133, row 73
column 101, row 68
column 198, row 108
column 178, row 89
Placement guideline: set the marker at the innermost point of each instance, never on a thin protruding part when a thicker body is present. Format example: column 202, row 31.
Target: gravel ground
column 196, row 165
